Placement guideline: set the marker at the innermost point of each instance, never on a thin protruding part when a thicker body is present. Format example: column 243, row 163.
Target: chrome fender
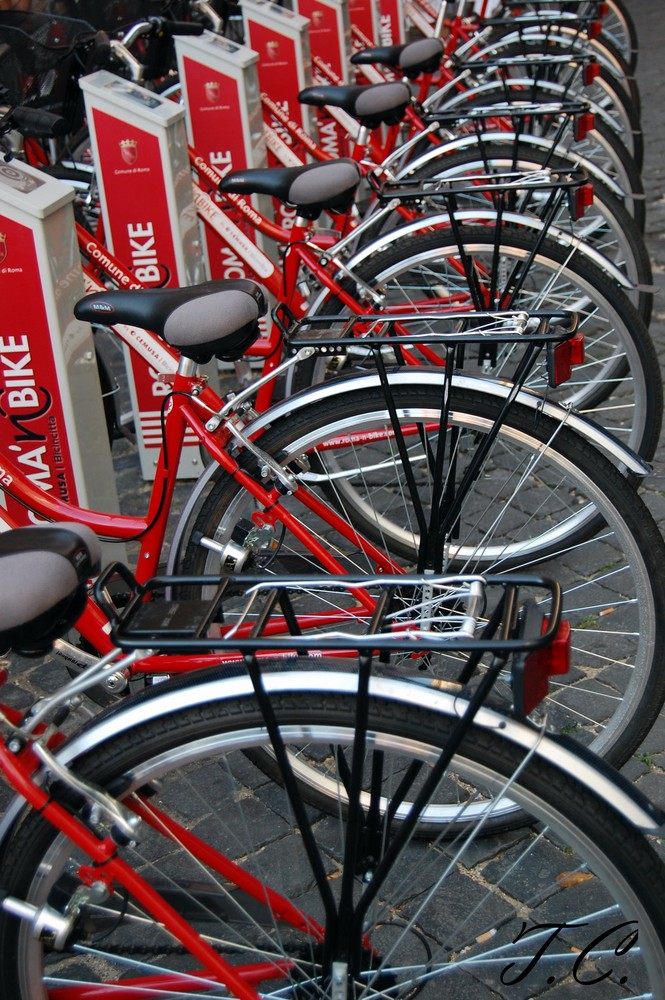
column 560, row 236
column 201, row 689
column 620, row 455
column 537, row 142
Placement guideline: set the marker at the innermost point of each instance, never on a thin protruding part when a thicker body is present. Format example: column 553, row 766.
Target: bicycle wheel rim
column 605, row 225
column 569, row 840
column 612, row 591
column 616, row 385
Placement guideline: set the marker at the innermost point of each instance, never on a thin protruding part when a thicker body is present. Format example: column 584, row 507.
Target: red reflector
column 576, row 348
column 535, row 685
column 591, row 73
column 561, row 358
column 560, row 650
column 603, row 10
column 584, row 123
column 594, row 29
column 583, row 199
column 542, row 664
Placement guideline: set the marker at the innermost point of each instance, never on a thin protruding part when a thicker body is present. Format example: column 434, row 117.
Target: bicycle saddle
column 411, row 59
column 43, row 575
column 215, row 318
column 314, row 188
column 372, row 105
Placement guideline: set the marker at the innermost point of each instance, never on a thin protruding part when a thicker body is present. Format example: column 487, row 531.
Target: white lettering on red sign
column 22, row 401
column 144, row 253
column 222, row 162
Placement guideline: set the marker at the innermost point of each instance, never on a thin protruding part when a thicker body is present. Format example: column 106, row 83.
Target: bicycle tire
column 542, row 497
column 619, row 383
column 194, row 763
column 619, row 27
column 602, row 145
column 605, row 225
column 614, row 75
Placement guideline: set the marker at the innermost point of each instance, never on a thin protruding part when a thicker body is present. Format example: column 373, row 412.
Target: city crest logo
column 129, row 150
column 3, row 248
column 212, row 91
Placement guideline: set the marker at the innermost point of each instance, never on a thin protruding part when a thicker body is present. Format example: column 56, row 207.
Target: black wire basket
column 41, row 59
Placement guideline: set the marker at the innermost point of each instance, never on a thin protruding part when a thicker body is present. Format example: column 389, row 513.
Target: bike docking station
column 139, row 144
column 279, row 38
column 393, row 23
column 377, row 23
column 220, row 87
column 52, row 424
column 331, row 50
column 365, row 16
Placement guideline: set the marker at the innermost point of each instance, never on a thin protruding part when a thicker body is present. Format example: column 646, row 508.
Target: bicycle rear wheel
column 447, row 916
column 605, row 225
column 619, row 383
column 602, row 146
column 619, row 28
column 541, row 497
column 614, row 92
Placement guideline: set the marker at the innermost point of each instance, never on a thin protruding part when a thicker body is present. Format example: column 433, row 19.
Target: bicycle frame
column 122, row 820
column 188, row 408
column 539, row 650
column 307, row 250
column 192, row 406
column 307, row 253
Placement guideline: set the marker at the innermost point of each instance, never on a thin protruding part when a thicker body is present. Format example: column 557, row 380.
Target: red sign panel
column 278, row 59
column 277, row 64
column 324, row 34
column 215, row 117
column 136, row 201
column 392, row 23
column 363, row 15
column 32, row 422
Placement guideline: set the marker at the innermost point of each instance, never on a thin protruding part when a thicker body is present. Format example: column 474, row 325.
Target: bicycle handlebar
column 159, row 25
column 153, row 27
column 32, row 121
column 183, row 28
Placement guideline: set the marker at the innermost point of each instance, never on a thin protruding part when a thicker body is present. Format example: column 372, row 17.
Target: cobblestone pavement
column 647, row 767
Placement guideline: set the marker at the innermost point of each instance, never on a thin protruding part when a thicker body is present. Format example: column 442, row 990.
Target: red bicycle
column 380, row 473
column 154, row 858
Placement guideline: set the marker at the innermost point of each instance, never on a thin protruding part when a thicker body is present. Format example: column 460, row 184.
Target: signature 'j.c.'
column 615, row 941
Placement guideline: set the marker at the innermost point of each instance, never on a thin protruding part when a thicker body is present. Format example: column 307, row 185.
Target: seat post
column 187, row 368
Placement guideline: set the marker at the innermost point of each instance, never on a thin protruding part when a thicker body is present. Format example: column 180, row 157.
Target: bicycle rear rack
column 511, row 618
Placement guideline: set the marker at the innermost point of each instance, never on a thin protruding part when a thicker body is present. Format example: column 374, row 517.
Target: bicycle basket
column 41, row 58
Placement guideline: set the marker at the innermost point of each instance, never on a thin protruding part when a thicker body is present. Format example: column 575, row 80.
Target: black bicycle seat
column 413, row 58
column 44, row 570
column 371, row 105
column 215, row 318
column 313, row 188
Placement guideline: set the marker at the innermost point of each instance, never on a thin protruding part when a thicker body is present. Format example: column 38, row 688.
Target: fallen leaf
column 568, row 879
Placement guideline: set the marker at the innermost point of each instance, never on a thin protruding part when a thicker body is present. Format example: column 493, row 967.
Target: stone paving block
column 653, row 786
